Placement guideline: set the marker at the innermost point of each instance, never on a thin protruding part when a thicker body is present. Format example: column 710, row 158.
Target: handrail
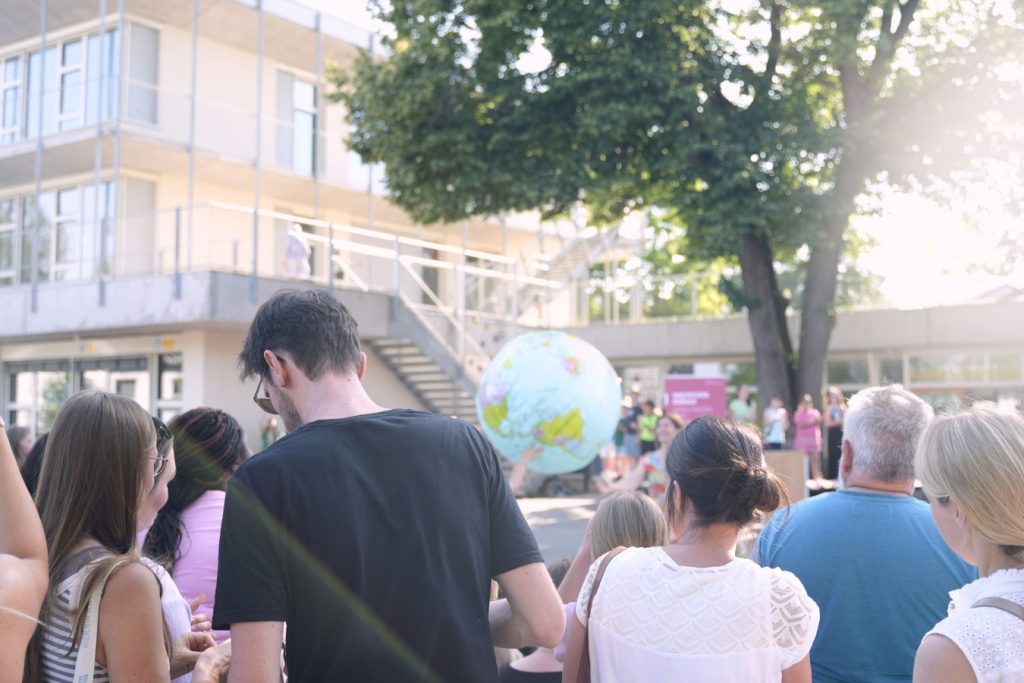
column 441, row 309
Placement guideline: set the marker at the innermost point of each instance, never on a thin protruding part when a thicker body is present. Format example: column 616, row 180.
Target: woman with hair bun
column 209, row 445
column 692, row 610
column 971, row 466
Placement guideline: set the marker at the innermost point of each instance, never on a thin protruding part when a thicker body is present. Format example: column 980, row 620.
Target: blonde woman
column 23, row 575
column 971, row 466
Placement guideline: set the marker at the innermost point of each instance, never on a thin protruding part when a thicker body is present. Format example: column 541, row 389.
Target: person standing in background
column 835, row 413
column 21, row 442
column 743, row 409
column 646, row 423
column 808, row 435
column 776, row 424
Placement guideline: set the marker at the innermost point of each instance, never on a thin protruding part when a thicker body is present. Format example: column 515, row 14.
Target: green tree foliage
column 751, row 125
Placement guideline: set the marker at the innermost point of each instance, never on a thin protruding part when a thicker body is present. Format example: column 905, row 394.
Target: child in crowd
column 646, row 423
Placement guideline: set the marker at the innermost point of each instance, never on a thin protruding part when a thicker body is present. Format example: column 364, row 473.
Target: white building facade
column 154, row 157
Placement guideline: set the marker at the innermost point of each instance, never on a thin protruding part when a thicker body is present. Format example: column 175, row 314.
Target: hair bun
column 763, row 489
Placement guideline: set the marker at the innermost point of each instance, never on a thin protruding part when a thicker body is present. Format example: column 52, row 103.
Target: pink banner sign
column 690, row 397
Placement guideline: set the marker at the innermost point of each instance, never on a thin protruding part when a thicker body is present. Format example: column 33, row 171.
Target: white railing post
column 693, row 295
column 396, row 266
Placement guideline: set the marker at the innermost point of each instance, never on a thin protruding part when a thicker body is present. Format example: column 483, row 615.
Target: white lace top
column 991, row 639
column 654, row 620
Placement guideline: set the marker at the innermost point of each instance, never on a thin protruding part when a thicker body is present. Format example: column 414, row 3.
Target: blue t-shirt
column 878, row 569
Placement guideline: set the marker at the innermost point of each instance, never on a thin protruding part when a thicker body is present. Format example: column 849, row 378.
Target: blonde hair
column 628, row 518
column 977, row 458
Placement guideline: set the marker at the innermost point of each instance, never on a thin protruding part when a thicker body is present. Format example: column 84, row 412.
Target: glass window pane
column 12, row 69
column 6, row 250
column 71, row 97
column 170, row 387
column 73, row 53
column 67, row 202
column 10, row 115
column 52, row 390
column 68, row 247
column 847, row 372
column 959, row 367
column 51, row 92
column 304, row 95
column 94, row 379
column 6, row 211
column 34, row 81
column 303, row 148
column 143, row 68
column 1004, row 367
column 890, row 371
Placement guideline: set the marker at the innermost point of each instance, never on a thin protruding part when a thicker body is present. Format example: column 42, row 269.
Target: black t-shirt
column 509, row 675
column 375, row 537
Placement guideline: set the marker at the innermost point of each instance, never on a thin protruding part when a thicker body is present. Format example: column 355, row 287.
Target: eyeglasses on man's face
column 263, row 402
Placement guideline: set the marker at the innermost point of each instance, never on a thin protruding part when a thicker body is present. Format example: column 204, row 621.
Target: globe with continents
column 553, row 391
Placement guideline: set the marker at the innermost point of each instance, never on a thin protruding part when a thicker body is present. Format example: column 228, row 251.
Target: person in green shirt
column 646, row 422
column 743, row 409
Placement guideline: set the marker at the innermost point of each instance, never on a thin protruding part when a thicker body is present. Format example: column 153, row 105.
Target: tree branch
column 774, row 43
column 774, row 49
column 888, row 40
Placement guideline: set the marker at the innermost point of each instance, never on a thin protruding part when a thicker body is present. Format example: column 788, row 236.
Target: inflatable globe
column 553, row 391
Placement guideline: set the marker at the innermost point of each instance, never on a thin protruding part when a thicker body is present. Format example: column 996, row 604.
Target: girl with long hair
column 102, row 480
column 209, row 445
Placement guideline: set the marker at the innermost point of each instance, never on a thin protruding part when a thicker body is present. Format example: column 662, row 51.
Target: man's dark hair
column 311, row 326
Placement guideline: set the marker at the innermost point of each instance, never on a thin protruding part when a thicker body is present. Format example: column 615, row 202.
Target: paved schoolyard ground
column 559, row 523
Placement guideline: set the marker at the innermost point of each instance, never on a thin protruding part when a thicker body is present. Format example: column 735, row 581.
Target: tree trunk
column 766, row 315
column 817, row 318
column 818, row 314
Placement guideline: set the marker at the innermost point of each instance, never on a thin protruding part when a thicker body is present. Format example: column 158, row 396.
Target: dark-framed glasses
column 263, row 402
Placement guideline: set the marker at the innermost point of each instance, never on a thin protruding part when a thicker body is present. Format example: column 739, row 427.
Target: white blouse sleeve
column 794, row 617
column 584, row 597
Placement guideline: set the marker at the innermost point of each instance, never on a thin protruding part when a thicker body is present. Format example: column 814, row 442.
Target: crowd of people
column 367, row 544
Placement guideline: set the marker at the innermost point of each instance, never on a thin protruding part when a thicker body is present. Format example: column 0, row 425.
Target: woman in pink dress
column 808, row 435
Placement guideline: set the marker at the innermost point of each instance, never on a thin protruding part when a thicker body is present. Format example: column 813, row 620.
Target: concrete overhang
column 140, row 305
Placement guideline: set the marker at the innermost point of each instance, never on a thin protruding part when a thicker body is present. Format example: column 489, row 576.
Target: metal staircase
column 426, row 379
column 427, row 359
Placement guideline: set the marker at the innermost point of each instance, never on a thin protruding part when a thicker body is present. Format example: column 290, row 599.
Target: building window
column 143, row 70
column 71, row 84
column 848, row 372
column 953, row 368
column 1004, row 367
column 10, row 100
column 890, row 370
column 35, row 392
column 102, row 66
column 296, row 123
column 8, row 240
column 74, row 235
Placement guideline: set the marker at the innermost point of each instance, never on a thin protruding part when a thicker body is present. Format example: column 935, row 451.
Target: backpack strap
column 1003, row 604
column 583, row 671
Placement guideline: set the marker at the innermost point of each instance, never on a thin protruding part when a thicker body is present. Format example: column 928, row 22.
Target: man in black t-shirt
column 373, row 533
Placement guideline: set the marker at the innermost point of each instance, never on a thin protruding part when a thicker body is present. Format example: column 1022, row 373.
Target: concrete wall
column 982, row 325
